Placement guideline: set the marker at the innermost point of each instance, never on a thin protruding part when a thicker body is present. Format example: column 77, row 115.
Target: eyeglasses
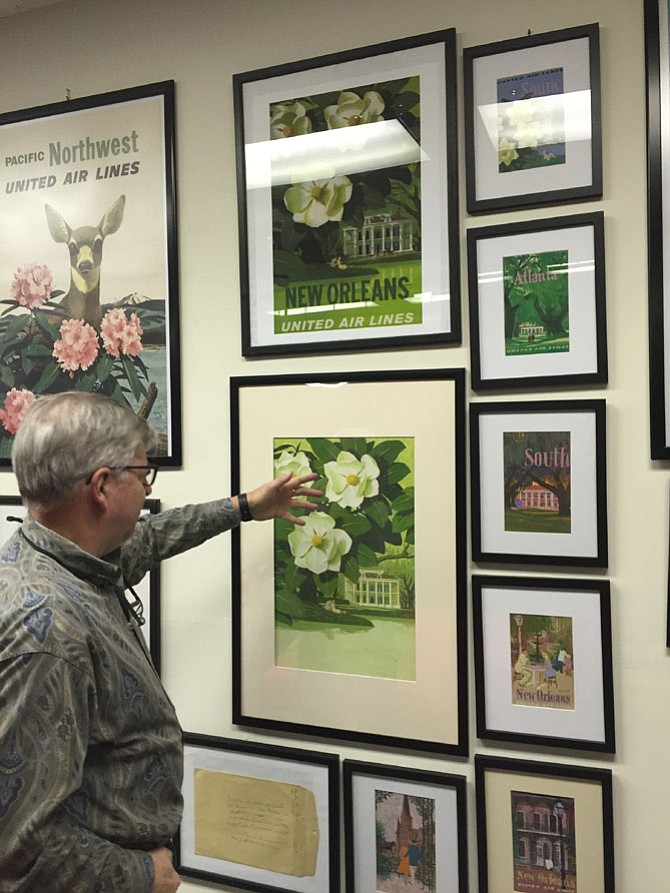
column 149, row 477
column 133, row 608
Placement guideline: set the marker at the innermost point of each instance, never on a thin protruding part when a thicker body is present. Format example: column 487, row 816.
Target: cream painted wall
column 91, row 46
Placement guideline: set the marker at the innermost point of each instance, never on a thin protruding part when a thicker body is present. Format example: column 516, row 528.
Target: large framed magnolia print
column 348, row 199
column 353, row 625
column 88, row 257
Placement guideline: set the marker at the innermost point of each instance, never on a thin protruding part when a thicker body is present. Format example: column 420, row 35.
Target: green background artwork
column 347, row 243
column 344, row 583
column 537, row 481
column 536, row 303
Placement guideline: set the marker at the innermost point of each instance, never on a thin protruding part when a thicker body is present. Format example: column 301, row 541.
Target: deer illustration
column 85, row 245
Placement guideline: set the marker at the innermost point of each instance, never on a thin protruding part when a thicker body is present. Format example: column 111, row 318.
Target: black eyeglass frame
column 150, row 477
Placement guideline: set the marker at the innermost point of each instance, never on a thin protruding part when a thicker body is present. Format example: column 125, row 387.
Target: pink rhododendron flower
column 78, row 346
column 32, row 285
column 121, row 335
column 16, row 403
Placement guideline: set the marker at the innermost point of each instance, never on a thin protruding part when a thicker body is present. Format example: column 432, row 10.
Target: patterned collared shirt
column 90, row 746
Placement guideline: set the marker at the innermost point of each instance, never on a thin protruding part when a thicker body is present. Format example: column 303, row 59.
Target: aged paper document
column 256, row 822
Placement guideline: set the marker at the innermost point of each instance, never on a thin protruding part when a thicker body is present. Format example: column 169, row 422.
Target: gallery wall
column 89, row 46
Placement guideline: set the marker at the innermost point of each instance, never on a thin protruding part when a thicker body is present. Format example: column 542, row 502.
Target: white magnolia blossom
column 296, row 463
column 288, row 119
column 318, row 201
column 351, row 480
column 351, row 110
column 318, row 546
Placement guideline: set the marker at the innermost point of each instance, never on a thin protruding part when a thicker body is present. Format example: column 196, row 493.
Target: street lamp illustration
column 518, row 619
column 560, row 811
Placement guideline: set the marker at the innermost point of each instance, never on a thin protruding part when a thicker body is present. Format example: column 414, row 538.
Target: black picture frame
column 657, row 57
column 563, row 257
column 373, row 414
column 446, row 836
column 325, row 281
column 536, row 67
column 105, row 167
column 300, row 792
column 567, row 699
column 566, row 523
column 574, row 806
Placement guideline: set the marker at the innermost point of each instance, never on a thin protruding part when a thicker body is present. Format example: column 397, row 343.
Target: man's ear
column 98, row 484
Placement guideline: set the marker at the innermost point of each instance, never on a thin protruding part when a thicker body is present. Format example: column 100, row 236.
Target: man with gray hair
column 90, row 746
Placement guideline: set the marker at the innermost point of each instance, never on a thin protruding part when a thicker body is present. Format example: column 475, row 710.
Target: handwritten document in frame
column 253, row 821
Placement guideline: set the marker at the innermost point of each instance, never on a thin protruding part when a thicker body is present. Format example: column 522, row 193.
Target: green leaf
column 104, row 367
column 289, row 603
column 354, row 524
column 86, row 383
column 7, row 376
column 402, row 522
column 137, row 387
column 388, row 450
column 397, row 472
column 350, row 569
column 47, row 378
column 366, row 557
column 355, row 445
column 377, row 511
column 49, row 329
column 324, row 450
column 404, row 502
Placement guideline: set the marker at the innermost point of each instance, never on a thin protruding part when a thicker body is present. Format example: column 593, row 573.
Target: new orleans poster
column 88, row 257
column 405, row 843
column 344, row 582
column 544, row 842
column 542, row 661
column 348, row 199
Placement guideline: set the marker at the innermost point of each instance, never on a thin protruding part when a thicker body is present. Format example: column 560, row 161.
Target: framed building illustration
column 354, row 631
column 348, row 199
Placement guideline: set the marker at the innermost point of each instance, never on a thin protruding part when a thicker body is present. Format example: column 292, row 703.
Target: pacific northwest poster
column 344, row 582
column 536, row 303
column 543, row 830
column 405, row 838
column 84, row 279
column 542, row 661
column 537, row 491
column 347, row 242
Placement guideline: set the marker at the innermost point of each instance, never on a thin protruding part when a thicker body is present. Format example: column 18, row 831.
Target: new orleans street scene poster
column 543, row 830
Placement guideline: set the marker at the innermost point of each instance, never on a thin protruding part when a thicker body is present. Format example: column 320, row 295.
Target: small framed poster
column 537, row 303
column 543, row 661
column 543, row 827
column 539, row 482
column 532, row 120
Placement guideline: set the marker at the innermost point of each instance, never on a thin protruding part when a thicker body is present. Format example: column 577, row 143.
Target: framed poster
column 657, row 46
column 537, row 303
column 353, row 626
column 259, row 816
column 532, row 120
column 543, row 827
column 543, row 661
column 405, row 829
column 77, row 176
column 539, row 482
column 12, row 512
column 349, row 234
